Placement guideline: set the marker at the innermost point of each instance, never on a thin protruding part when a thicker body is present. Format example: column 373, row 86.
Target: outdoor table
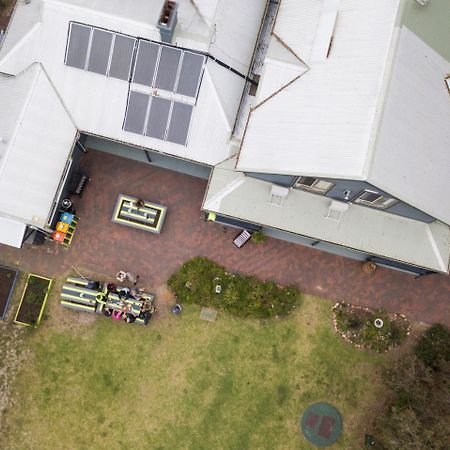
column 149, row 217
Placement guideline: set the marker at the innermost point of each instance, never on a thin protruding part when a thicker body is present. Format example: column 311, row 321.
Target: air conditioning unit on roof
column 423, row 2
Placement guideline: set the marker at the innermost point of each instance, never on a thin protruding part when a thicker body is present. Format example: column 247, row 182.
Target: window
column 375, row 200
column 313, row 185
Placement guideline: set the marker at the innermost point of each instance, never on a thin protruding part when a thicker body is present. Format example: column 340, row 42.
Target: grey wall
column 282, row 180
column 356, row 187
column 157, row 159
column 324, row 246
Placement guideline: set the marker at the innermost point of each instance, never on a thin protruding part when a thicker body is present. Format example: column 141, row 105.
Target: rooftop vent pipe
column 168, row 20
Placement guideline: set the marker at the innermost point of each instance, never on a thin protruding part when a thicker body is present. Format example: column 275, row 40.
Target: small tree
column 418, row 411
column 433, row 347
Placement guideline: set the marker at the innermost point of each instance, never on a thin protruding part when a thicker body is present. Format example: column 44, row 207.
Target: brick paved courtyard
column 104, row 247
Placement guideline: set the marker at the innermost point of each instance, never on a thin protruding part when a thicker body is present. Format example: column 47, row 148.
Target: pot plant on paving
column 33, row 300
column 8, row 279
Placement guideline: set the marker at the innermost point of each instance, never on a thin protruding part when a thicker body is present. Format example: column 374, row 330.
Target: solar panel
column 157, row 119
column 78, row 46
column 136, row 112
column 179, row 123
column 190, row 73
column 121, row 57
column 146, row 60
column 167, row 68
column 100, row 50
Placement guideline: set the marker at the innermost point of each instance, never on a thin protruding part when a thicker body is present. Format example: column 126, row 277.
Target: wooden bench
column 243, row 237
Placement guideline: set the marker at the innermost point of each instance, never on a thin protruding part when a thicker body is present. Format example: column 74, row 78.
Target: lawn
column 181, row 383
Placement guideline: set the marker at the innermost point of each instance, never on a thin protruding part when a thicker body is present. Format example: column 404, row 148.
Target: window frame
column 312, row 188
column 376, row 203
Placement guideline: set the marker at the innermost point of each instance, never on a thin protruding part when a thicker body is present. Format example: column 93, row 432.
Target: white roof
column 374, row 109
column 321, row 122
column 38, row 136
column 416, row 123
column 98, row 103
column 233, row 194
column 11, row 232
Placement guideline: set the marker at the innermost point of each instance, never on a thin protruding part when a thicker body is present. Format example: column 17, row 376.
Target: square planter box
column 8, row 278
column 34, row 298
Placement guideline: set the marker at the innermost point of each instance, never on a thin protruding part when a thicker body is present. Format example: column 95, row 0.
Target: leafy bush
column 356, row 325
column 433, row 346
column 417, row 412
column 196, row 281
column 4, row 4
column 258, row 237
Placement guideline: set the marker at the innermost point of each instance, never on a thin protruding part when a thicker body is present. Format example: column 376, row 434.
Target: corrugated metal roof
column 412, row 153
column 321, row 123
column 98, row 103
column 281, row 67
column 35, row 155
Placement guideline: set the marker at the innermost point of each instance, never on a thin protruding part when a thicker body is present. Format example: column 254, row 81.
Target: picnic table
column 132, row 305
column 148, row 217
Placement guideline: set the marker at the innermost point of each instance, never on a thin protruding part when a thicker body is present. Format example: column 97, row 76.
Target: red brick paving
column 104, row 247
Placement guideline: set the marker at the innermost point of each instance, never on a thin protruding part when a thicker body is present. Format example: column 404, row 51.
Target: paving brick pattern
column 104, row 247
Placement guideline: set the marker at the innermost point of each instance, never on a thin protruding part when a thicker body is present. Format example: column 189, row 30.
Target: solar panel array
column 158, row 66
column 158, row 117
column 171, row 70
column 100, row 51
column 168, row 68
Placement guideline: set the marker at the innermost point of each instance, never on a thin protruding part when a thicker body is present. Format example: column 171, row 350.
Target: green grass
column 182, row 383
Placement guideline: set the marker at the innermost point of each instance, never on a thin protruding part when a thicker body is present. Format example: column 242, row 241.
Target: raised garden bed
column 370, row 329
column 205, row 283
column 8, row 279
column 33, row 300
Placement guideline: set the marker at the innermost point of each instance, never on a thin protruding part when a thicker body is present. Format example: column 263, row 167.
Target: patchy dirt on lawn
column 11, row 358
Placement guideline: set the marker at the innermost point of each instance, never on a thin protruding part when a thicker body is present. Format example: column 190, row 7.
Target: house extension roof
column 39, row 32
column 231, row 193
column 37, row 137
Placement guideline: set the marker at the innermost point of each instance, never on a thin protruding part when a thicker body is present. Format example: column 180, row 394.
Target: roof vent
column 423, row 2
column 168, row 20
column 335, row 210
column 278, row 194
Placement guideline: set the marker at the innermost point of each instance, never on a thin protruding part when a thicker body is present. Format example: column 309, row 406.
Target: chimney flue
column 168, row 20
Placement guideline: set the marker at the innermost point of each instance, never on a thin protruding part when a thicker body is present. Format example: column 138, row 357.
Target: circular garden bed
column 370, row 329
